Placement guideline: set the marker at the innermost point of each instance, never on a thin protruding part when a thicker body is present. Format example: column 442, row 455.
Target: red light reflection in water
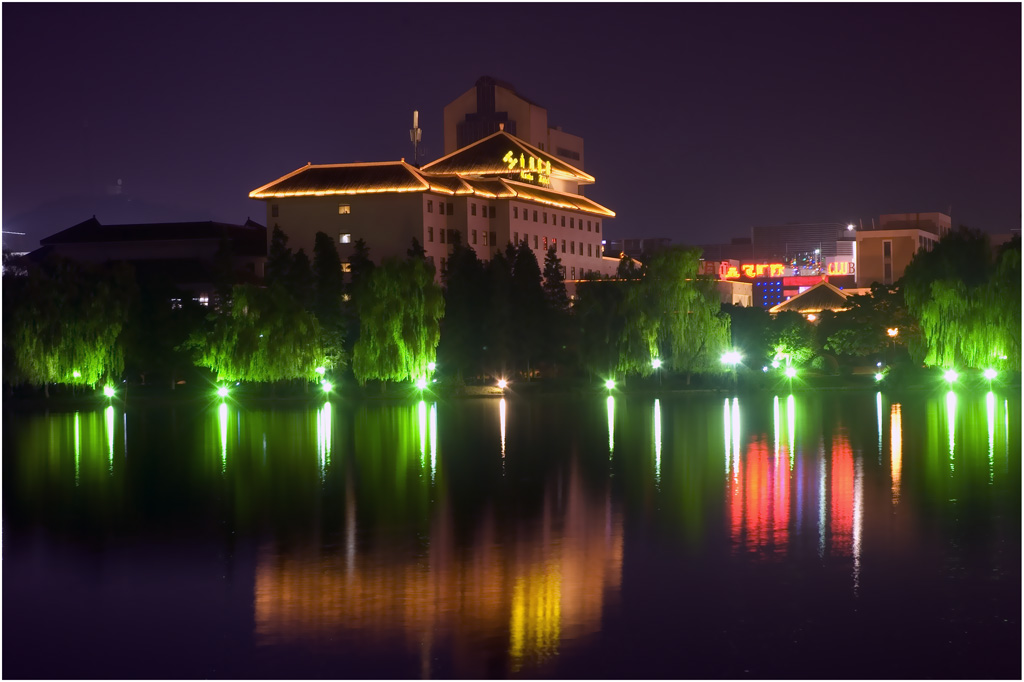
column 759, row 492
column 761, row 499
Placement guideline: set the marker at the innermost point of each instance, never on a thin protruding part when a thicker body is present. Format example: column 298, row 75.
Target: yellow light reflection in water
column 951, row 423
column 822, row 499
column 657, row 440
column 791, row 428
column 501, row 418
column 324, row 424
column 109, row 416
column 78, row 447
column 611, row 426
column 222, row 417
column 990, row 413
column 422, row 411
column 878, row 410
column 433, row 440
column 535, row 622
column 896, row 447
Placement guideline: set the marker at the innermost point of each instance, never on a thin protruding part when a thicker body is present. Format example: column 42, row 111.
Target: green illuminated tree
column 400, row 309
column 599, row 321
column 264, row 335
column 969, row 307
column 63, row 323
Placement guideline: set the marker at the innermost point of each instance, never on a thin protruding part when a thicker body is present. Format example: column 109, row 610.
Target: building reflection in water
column 514, row 596
column 951, row 425
column 657, row 442
column 770, row 492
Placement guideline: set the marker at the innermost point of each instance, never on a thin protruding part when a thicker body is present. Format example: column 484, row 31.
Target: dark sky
column 699, row 120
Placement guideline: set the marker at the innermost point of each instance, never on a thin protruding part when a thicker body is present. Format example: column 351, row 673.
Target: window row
column 592, row 225
column 540, row 242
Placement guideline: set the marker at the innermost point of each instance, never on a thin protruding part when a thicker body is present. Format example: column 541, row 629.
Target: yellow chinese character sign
column 530, row 168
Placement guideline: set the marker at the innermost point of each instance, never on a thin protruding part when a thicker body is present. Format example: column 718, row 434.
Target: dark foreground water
column 844, row 535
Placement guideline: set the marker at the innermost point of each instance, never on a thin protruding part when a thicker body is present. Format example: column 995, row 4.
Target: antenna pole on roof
column 415, row 135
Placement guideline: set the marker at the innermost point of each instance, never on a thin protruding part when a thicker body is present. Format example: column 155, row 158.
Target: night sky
column 699, row 120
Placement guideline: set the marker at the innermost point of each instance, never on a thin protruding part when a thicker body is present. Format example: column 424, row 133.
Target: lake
column 815, row 535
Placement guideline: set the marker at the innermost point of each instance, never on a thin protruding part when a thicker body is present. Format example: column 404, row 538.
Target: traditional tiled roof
column 822, row 296
column 446, row 184
column 485, row 157
column 490, row 189
column 557, row 199
column 91, row 231
column 344, row 178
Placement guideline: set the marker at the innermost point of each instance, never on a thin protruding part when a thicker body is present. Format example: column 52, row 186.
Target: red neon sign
column 752, row 270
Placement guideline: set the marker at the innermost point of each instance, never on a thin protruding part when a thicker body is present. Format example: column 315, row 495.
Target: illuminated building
column 495, row 191
column 810, row 303
column 492, row 105
column 884, row 253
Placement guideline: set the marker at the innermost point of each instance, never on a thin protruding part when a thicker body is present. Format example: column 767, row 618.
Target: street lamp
column 731, row 358
column 951, row 376
column 893, row 332
column 609, row 384
column 656, row 364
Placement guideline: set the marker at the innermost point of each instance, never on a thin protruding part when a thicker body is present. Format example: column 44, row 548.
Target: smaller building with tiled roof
column 815, row 300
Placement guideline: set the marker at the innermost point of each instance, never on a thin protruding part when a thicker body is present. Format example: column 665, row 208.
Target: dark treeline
column 75, row 324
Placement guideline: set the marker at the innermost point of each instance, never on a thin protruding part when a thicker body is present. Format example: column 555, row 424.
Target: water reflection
column 657, row 441
column 501, row 418
column 896, row 447
column 532, row 589
column 611, row 425
column 990, row 422
column 324, row 439
column 951, row 425
column 222, row 422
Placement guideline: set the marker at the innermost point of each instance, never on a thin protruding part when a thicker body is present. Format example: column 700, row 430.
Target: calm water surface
column 825, row 536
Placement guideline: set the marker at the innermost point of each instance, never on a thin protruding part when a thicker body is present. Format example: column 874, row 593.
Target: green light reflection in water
column 78, row 448
column 433, row 440
column 324, row 437
column 736, row 433
column 611, row 425
column 501, row 419
column 990, row 414
column 222, row 421
column 657, row 442
column 775, row 425
column 951, row 425
column 878, row 411
column 727, row 423
column 421, row 412
column 791, row 428
column 108, row 414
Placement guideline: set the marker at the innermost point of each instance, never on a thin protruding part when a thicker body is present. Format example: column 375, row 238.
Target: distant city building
column 494, row 191
column 492, row 105
column 186, row 254
column 788, row 242
column 883, row 253
column 635, row 248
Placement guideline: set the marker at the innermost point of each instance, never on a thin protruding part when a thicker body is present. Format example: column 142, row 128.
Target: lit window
column 430, row 234
column 485, row 238
column 204, row 299
column 474, row 236
column 345, row 238
column 472, row 209
column 545, row 243
column 346, row 266
column 573, row 272
column 344, row 209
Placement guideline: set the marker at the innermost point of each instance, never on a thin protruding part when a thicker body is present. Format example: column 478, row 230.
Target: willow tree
column 400, row 309
column 673, row 314
column 63, row 323
column 968, row 307
column 263, row 335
